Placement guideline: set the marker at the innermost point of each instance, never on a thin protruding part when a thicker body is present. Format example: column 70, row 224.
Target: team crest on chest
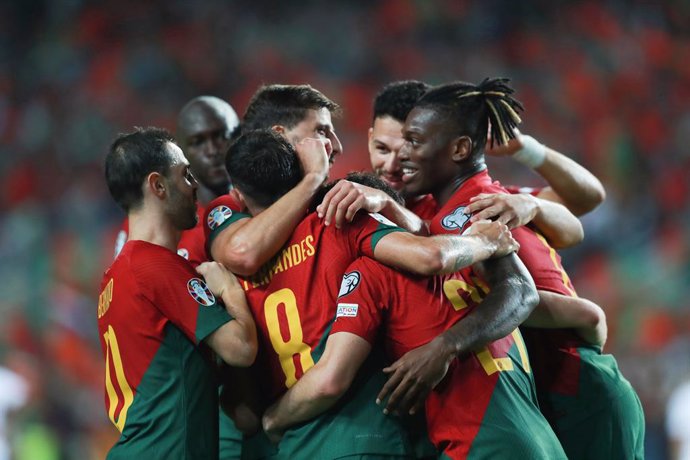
column 349, row 283
column 183, row 252
column 200, row 292
column 456, row 220
column 217, row 216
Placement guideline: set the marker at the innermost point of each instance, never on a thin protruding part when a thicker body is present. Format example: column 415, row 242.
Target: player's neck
column 444, row 194
column 153, row 227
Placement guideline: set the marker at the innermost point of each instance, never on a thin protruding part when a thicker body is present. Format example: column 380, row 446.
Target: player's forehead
column 317, row 117
column 177, row 158
column 422, row 120
column 386, row 128
column 201, row 119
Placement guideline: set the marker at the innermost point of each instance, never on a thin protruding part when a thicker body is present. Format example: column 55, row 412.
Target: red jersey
column 192, row 242
column 423, row 206
column 542, row 261
column 153, row 312
column 219, row 213
column 412, row 311
column 553, row 352
column 292, row 297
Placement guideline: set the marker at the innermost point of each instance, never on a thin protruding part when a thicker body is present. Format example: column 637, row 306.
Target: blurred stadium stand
column 606, row 82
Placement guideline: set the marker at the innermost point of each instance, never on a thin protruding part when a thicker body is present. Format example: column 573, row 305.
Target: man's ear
column 239, row 197
column 369, row 134
column 461, row 148
column 155, row 184
column 280, row 129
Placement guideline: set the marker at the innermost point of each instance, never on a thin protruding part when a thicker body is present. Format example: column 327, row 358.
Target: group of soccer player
column 419, row 311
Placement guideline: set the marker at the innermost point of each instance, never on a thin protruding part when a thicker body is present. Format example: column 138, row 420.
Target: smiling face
column 427, row 154
column 385, row 142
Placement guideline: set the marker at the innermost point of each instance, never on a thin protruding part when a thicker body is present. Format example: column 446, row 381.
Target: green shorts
column 616, row 431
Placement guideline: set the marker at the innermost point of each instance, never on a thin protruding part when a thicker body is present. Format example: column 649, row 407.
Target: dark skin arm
column 512, row 298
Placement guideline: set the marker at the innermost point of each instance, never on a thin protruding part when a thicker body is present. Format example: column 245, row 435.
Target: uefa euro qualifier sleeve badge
column 456, row 220
column 217, row 216
column 200, row 292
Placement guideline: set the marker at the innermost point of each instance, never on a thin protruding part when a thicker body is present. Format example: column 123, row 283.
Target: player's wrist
column 447, row 347
column 532, row 154
column 315, row 178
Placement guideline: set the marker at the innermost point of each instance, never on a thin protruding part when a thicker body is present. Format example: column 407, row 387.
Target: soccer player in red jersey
column 582, row 392
column 297, row 112
column 568, row 182
column 484, row 408
column 158, row 317
column 391, row 106
column 204, row 128
column 292, row 297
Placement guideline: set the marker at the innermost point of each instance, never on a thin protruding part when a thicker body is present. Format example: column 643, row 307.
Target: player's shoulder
column 367, row 266
column 147, row 260
column 222, row 212
column 224, row 200
column 222, row 208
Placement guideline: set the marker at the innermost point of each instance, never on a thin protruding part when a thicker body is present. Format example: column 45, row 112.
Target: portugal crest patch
column 456, row 220
column 217, row 216
column 349, row 283
column 200, row 292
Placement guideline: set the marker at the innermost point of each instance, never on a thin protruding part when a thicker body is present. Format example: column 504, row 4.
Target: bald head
column 204, row 126
column 193, row 115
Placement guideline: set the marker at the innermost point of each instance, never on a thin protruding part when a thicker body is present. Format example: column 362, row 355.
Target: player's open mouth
column 408, row 174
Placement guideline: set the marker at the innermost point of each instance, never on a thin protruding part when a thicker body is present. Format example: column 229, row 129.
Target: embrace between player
column 328, row 373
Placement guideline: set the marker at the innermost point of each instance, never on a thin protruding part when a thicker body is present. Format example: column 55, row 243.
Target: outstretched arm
column 321, row 386
column 444, row 253
column 512, row 298
column 244, row 246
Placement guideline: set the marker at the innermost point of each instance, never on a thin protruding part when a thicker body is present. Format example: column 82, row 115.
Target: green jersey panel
column 173, row 415
column 513, row 427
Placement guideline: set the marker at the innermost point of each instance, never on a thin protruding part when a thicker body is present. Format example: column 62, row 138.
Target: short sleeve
column 361, row 300
column 180, row 294
column 542, row 262
column 221, row 213
column 369, row 229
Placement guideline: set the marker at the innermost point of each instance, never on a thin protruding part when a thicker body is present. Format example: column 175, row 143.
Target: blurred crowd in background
column 605, row 82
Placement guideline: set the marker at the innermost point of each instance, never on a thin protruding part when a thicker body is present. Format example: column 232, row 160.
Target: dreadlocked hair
column 477, row 108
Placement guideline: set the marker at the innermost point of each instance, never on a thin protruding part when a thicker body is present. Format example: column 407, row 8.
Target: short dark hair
column 472, row 108
column 397, row 99
column 365, row 178
column 132, row 157
column 284, row 105
column 263, row 166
